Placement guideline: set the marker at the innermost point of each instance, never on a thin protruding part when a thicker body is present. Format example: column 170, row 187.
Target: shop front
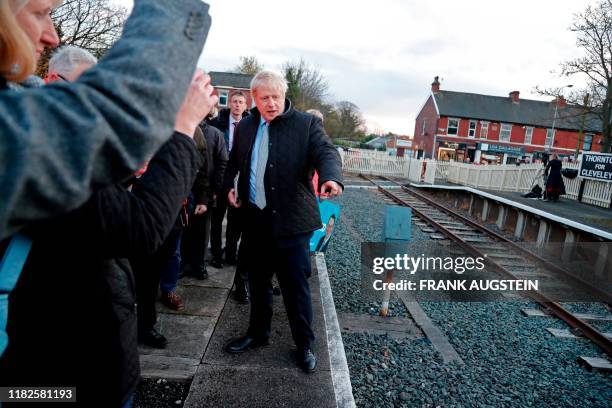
column 498, row 154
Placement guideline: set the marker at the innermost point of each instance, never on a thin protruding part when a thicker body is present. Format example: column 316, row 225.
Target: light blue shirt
column 253, row 176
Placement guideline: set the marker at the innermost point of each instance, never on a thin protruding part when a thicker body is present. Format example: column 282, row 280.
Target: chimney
column 560, row 101
column 514, row 95
column 435, row 85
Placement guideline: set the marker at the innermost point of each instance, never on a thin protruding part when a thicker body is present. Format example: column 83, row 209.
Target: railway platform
column 264, row 377
column 539, row 220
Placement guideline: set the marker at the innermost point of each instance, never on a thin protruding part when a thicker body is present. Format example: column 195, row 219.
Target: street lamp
column 552, row 133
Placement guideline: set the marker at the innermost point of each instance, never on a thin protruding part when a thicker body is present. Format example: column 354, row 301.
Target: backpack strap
column 10, row 268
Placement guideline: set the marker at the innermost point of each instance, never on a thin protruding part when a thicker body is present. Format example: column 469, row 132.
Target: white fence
column 376, row 163
column 495, row 177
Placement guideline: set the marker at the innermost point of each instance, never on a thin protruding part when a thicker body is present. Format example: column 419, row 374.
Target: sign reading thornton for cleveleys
column 596, row 166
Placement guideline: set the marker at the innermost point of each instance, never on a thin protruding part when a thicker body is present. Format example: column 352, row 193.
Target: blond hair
column 270, row 79
column 17, row 60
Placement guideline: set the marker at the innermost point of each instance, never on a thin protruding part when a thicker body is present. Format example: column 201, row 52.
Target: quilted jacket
column 298, row 145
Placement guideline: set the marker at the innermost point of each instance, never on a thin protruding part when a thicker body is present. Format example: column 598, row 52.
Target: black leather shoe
column 153, row 338
column 216, row 263
column 307, row 361
column 241, row 294
column 244, row 343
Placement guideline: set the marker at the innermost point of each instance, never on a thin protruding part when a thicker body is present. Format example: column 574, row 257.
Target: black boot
column 241, row 294
column 152, row 338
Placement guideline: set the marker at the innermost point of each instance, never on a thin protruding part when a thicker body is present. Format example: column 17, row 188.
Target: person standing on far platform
column 275, row 151
column 554, row 181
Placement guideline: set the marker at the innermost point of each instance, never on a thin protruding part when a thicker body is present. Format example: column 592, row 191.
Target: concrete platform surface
column 267, row 376
column 188, row 332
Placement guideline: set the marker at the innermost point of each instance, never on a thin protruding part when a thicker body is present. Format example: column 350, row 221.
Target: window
column 223, row 98
column 423, row 127
column 484, row 129
column 528, row 134
column 549, row 138
column 453, row 126
column 504, row 133
column 588, row 141
column 472, row 129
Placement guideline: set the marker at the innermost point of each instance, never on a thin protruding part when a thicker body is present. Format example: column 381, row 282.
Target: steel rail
column 555, row 308
column 533, row 256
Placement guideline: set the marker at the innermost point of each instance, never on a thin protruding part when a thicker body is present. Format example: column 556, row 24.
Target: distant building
column 472, row 127
column 400, row 146
column 379, row 142
column 226, row 83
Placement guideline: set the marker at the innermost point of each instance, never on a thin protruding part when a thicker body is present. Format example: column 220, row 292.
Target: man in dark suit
column 275, row 151
column 226, row 122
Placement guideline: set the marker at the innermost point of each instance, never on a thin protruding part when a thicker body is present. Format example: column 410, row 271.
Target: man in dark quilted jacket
column 276, row 149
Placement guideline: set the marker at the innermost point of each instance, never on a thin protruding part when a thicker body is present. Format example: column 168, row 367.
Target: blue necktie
column 262, row 160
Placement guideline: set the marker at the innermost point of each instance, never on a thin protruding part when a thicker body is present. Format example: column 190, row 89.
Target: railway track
column 502, row 255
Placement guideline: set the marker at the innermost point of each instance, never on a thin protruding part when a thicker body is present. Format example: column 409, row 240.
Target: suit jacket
column 221, row 122
column 298, row 144
column 60, row 143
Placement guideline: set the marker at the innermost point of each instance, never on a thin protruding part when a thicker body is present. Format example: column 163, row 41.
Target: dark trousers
column 232, row 232
column 170, row 261
column 195, row 241
column 148, row 270
column 288, row 258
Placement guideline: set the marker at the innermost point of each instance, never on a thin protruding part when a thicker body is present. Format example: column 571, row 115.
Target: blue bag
column 10, row 268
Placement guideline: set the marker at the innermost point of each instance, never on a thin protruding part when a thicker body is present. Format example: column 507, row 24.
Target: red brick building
column 465, row 126
column 226, row 83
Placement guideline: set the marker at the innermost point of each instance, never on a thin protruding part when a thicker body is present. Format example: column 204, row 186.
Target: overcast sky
column 383, row 55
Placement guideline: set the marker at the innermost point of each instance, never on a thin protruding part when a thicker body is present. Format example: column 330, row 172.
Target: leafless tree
column 248, row 65
column 345, row 121
column 593, row 28
column 308, row 89
column 94, row 25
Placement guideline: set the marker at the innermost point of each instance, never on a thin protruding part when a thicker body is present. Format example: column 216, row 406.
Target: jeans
column 170, row 268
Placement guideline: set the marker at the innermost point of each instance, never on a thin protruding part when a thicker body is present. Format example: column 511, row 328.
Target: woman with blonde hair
column 59, row 144
column 21, row 40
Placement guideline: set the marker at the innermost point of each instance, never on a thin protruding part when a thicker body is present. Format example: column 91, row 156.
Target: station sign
column 596, row 166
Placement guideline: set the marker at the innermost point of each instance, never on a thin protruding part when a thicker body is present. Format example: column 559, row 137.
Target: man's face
column 73, row 76
column 269, row 101
column 35, row 20
column 237, row 106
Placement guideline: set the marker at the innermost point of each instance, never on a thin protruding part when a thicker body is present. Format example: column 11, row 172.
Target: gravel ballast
column 510, row 359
